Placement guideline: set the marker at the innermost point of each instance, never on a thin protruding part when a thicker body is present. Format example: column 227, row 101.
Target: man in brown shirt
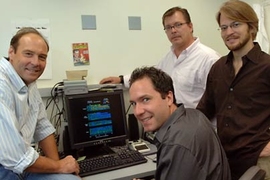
column 238, row 91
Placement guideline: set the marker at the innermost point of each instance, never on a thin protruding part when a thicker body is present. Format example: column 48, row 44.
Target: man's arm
column 178, row 163
column 116, row 80
column 206, row 104
column 50, row 163
column 110, row 80
column 49, row 148
column 47, row 165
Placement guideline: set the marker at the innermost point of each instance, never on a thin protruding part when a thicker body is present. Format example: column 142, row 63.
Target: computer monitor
column 96, row 118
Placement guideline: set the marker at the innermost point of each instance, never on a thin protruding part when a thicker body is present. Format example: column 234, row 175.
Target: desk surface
column 137, row 171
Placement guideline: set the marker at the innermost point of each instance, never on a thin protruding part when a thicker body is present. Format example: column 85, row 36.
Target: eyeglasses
column 175, row 26
column 233, row 25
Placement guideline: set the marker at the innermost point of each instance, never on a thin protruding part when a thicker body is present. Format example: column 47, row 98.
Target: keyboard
column 120, row 159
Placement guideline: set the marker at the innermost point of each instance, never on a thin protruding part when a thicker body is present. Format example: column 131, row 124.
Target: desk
column 137, row 171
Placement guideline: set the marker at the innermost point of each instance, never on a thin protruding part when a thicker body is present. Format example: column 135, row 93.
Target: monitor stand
column 94, row 151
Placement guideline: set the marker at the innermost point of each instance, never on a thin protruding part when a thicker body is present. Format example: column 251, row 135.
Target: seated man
column 188, row 147
column 23, row 116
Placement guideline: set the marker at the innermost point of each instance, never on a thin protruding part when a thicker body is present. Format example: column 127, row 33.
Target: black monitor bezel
column 108, row 140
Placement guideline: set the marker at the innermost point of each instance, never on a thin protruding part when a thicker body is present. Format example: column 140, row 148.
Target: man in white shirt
column 188, row 61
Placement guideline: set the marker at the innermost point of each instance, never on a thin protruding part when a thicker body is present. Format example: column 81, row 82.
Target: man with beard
column 238, row 91
column 187, row 62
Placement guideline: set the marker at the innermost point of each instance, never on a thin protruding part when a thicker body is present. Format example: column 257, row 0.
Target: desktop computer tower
column 133, row 128
column 66, row 143
column 134, row 131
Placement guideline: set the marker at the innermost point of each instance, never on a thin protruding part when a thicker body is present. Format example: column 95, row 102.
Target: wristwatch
column 121, row 79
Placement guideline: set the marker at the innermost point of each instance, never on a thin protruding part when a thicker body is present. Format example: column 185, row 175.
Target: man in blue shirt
column 23, row 116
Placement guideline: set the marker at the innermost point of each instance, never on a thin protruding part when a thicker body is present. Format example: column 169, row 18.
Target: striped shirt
column 22, row 119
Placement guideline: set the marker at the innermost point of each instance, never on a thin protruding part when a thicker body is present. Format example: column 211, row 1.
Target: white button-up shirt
column 189, row 72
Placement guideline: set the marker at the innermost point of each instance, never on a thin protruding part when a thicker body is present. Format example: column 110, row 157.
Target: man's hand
column 110, row 80
column 69, row 165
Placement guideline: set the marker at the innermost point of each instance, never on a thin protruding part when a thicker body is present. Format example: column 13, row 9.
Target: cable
column 128, row 109
column 54, row 93
column 55, row 101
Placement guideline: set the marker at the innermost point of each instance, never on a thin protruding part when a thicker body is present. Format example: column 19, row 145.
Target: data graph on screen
column 95, row 118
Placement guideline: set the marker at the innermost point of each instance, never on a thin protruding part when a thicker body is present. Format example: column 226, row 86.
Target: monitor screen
column 96, row 118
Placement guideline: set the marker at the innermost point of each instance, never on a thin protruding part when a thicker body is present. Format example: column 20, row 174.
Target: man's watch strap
column 121, row 79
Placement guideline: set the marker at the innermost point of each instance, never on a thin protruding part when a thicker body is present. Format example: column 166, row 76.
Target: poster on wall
column 43, row 26
column 80, row 54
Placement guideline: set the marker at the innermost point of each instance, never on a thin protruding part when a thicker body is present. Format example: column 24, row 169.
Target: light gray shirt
column 22, row 120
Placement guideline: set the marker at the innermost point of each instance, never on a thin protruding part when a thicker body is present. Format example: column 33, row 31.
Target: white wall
column 113, row 48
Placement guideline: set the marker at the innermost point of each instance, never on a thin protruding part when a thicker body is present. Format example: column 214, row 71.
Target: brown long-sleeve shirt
column 241, row 105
